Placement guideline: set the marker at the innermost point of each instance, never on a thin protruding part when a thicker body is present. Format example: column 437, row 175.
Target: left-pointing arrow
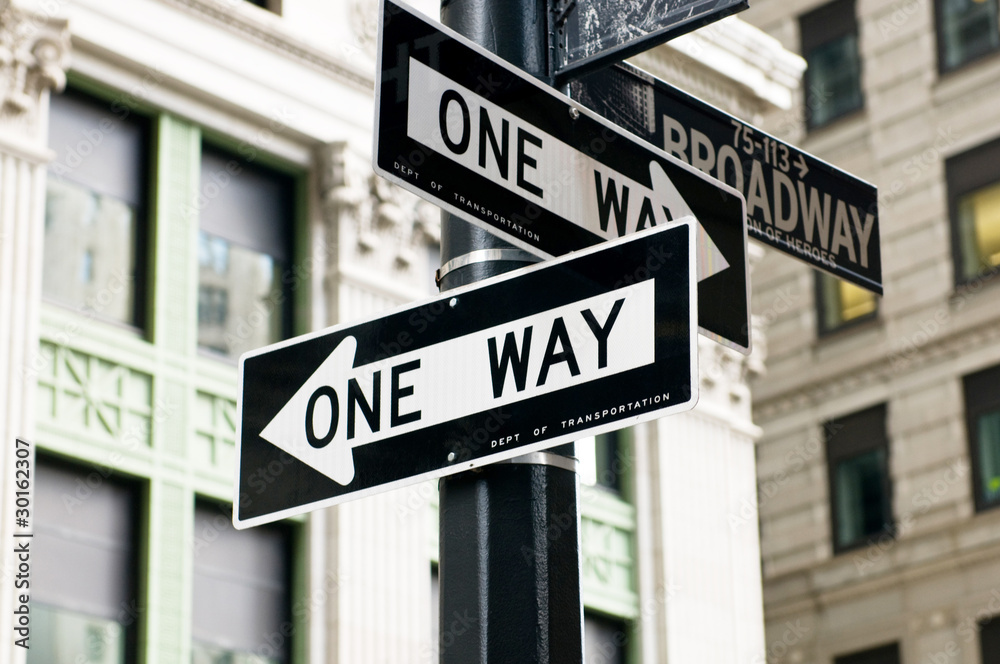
column 307, row 427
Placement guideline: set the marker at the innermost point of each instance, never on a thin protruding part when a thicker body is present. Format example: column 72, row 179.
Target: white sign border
column 692, row 401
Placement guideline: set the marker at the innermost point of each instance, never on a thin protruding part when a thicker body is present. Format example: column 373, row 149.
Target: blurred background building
column 183, row 180
column 879, row 464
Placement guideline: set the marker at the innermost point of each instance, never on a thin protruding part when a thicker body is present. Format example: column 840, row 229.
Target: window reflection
column 240, row 301
column 90, row 251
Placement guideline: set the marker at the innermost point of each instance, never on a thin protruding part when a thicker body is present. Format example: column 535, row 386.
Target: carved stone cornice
column 269, row 34
column 382, row 229
column 34, row 54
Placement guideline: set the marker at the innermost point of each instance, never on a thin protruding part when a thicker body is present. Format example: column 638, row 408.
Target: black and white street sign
column 587, row 343
column 466, row 130
column 591, row 34
column 795, row 202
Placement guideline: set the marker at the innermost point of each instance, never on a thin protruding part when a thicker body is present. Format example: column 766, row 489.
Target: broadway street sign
column 795, row 202
column 493, row 145
column 591, row 34
column 584, row 344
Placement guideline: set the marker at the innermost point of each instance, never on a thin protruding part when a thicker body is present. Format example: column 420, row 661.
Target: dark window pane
column 95, row 229
column 833, row 76
column 857, row 450
column 241, row 590
column 83, row 600
column 244, row 249
column 883, row 655
column 605, row 640
column 989, row 640
column 988, row 446
column 982, row 409
column 834, row 80
column 860, row 492
column 967, row 29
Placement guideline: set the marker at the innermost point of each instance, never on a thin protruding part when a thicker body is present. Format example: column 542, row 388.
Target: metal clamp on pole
column 571, row 464
column 484, row 256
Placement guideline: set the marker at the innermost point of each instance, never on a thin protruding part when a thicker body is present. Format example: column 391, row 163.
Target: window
column 242, row 610
column 833, row 75
column 244, row 254
column 974, row 207
column 982, row 413
column 95, row 208
column 883, row 655
column 989, row 640
column 604, row 639
column 840, row 303
column 603, row 460
column 857, row 451
column 966, row 31
column 84, row 604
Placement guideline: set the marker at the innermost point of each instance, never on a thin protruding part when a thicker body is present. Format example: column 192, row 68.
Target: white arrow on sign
column 340, row 406
column 474, row 132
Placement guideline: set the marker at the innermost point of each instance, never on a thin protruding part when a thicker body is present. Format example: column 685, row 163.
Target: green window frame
column 887, row 654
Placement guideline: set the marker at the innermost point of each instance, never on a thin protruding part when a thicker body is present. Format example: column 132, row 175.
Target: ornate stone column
column 377, row 549
column 34, row 50
column 696, row 503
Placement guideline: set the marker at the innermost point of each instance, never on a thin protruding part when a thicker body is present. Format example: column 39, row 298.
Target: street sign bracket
column 484, row 256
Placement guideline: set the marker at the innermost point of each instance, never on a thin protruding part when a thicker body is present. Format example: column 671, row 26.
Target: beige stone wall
column 926, row 586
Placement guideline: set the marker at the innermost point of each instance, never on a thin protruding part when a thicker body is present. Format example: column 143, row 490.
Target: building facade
column 877, row 468
column 183, row 180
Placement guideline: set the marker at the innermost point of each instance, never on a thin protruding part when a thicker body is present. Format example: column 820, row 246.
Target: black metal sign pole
column 509, row 532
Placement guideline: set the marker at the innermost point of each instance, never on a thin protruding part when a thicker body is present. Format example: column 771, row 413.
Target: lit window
column 860, row 493
column 979, row 226
column 967, row 30
column 841, row 303
column 96, row 197
column 244, row 255
column 242, row 611
column 974, row 202
column 833, row 76
column 84, row 605
column 982, row 411
column 882, row 655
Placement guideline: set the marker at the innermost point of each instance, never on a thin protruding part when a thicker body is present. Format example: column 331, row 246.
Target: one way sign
column 485, row 141
column 606, row 339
